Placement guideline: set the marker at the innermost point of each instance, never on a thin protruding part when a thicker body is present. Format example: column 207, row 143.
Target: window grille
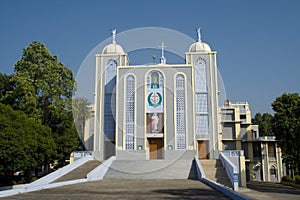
column 202, row 124
column 129, row 115
column 201, row 103
column 180, row 112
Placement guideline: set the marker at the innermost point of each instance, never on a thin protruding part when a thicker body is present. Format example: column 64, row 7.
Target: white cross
column 162, row 49
column 162, row 58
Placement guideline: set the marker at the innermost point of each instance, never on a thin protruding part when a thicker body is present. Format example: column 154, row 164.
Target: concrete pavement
column 126, row 189
column 270, row 191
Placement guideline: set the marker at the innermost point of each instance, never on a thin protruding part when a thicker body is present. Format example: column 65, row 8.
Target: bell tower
column 107, row 62
column 205, row 85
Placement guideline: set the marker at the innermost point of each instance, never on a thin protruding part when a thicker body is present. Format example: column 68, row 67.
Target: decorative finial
column 163, row 60
column 199, row 34
column 113, row 37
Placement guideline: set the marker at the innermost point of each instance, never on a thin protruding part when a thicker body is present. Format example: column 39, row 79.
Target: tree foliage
column 265, row 123
column 24, row 143
column 286, row 127
column 44, row 86
column 41, row 88
column 67, row 140
column 6, row 86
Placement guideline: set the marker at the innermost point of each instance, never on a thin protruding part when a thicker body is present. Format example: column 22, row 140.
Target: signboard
column 235, row 177
column 154, row 100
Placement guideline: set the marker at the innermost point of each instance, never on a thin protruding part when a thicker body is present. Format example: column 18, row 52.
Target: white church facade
column 156, row 111
column 169, row 111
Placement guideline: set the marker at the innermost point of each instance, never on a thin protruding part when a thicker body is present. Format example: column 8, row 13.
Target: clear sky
column 257, row 41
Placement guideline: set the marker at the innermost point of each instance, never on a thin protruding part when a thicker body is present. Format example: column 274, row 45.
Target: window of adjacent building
column 256, row 149
column 180, row 112
column 129, row 114
column 271, row 150
column 227, row 117
column 228, row 131
column 229, row 145
column 244, row 132
column 273, row 171
column 245, row 148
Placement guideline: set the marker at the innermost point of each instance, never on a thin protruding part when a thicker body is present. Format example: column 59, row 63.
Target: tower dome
column 113, row 48
column 199, row 45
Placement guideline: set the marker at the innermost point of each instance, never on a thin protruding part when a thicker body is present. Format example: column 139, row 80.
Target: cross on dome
column 163, row 60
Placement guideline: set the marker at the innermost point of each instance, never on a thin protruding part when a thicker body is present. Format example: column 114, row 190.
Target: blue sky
column 257, row 41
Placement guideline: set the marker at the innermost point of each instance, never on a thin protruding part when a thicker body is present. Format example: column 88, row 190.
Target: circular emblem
column 154, row 99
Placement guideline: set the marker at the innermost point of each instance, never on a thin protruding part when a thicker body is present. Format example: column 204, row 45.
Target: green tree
column 286, row 127
column 24, row 143
column 44, row 86
column 265, row 123
column 43, row 89
column 6, row 86
column 67, row 140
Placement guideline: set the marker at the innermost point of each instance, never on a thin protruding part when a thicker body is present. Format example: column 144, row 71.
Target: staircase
column 152, row 169
column 80, row 172
column 214, row 171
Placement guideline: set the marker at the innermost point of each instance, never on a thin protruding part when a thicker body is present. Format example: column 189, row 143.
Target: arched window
column 129, row 115
column 155, row 80
column 180, row 112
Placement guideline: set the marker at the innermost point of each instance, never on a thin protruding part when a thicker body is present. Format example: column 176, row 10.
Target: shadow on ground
column 267, row 187
column 191, row 194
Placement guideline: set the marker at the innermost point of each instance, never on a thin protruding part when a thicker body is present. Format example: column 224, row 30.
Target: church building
column 170, row 111
column 158, row 111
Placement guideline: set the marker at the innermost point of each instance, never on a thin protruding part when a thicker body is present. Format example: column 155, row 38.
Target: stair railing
column 231, row 170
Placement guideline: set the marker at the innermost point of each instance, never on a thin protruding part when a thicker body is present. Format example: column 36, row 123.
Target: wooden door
column 155, row 147
column 203, row 150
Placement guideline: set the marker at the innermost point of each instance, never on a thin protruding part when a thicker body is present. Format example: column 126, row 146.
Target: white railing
column 221, row 188
column 231, row 170
column 200, row 171
column 99, row 172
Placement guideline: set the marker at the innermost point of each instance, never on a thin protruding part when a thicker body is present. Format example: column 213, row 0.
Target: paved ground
column 270, row 191
column 126, row 189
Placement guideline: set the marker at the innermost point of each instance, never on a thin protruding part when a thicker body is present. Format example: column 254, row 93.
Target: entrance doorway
column 203, row 149
column 156, row 148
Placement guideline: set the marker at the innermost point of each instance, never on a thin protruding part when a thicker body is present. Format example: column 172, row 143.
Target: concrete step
column 152, row 169
column 214, row 171
column 80, row 172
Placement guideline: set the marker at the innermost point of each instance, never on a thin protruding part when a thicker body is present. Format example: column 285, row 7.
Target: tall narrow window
column 180, row 112
column 110, row 99
column 201, row 97
column 129, row 115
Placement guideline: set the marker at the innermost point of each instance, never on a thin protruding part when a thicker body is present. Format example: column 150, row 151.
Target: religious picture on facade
column 155, row 123
column 154, row 80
